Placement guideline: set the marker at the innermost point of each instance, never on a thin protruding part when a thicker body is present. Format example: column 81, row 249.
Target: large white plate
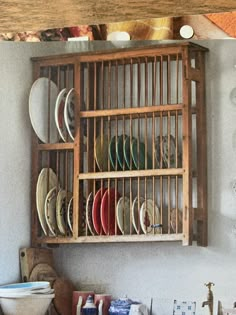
column 89, row 219
column 41, row 91
column 123, row 215
column 46, row 181
column 136, row 213
column 50, row 210
column 149, row 215
column 69, row 113
column 70, row 215
column 59, row 114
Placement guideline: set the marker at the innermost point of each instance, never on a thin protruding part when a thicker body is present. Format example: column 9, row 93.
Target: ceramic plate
column 108, row 210
column 112, row 154
column 46, row 181
column 173, row 218
column 136, row 206
column 123, row 215
column 149, row 208
column 164, row 153
column 69, row 113
column 101, row 153
column 127, row 153
column 96, row 209
column 38, row 109
column 89, row 218
column 62, row 202
column 120, row 151
column 139, row 156
column 59, row 114
column 50, row 210
column 70, row 215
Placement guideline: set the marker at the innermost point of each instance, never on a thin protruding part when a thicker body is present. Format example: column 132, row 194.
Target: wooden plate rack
column 154, row 94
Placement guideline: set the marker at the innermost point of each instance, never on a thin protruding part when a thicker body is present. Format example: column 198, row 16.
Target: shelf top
column 131, row 46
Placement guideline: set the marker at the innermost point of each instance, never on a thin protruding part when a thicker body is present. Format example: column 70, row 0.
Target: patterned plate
column 149, row 214
column 59, row 114
column 63, row 199
column 70, row 215
column 50, row 211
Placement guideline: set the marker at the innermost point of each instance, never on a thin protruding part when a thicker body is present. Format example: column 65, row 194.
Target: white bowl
column 33, row 304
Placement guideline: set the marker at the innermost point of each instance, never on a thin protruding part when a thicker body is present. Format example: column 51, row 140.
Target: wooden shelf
column 55, row 146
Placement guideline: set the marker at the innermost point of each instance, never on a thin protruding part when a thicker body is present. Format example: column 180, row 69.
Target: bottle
column 89, row 308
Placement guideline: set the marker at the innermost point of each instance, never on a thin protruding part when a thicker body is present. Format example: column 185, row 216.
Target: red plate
column 96, row 217
column 108, row 211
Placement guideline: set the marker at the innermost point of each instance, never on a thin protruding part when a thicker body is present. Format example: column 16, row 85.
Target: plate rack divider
column 139, row 120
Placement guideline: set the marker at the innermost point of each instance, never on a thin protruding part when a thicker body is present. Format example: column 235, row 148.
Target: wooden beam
column 28, row 15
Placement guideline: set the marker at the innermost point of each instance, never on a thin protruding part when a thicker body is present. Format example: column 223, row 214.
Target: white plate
column 147, row 218
column 123, row 215
column 69, row 113
column 46, row 181
column 50, row 210
column 70, row 215
column 89, row 219
column 61, row 210
column 38, row 109
column 59, row 114
column 136, row 213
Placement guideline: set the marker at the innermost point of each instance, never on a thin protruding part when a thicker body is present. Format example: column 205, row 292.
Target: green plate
column 127, row 153
column 112, row 153
column 120, row 151
column 138, row 155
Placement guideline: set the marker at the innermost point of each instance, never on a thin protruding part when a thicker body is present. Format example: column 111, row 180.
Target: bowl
column 24, row 286
column 28, row 305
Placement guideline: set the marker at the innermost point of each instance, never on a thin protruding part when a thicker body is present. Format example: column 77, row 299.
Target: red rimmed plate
column 108, row 211
column 96, row 211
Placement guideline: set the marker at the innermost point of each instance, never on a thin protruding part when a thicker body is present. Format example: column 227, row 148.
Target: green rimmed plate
column 127, row 153
column 120, row 151
column 139, row 156
column 112, row 154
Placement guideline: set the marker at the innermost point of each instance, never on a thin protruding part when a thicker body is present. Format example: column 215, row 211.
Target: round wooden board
column 43, row 272
column 63, row 290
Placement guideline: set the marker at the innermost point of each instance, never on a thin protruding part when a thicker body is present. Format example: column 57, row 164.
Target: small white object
column 186, row 31
column 120, row 36
column 78, row 39
column 79, row 305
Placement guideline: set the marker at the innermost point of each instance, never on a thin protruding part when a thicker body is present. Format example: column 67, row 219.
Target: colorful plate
column 62, row 202
column 127, row 153
column 108, row 211
column 89, row 217
column 120, row 151
column 123, row 215
column 38, row 109
column 69, row 113
column 96, row 210
column 70, row 215
column 59, row 114
column 50, row 210
column 101, row 152
column 46, row 181
column 112, row 154
column 139, row 155
column 136, row 206
column 149, row 214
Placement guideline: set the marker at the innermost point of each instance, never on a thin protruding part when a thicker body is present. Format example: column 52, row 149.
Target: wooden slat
column 55, row 146
column 202, row 227
column 113, row 239
column 136, row 173
column 187, row 155
column 15, row 17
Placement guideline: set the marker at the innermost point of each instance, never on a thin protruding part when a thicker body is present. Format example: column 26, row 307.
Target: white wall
column 161, row 271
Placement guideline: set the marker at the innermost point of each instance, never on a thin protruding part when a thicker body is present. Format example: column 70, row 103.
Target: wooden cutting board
column 43, row 272
column 30, row 257
column 63, row 290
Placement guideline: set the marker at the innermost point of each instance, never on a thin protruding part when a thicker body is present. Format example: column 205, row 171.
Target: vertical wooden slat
column 78, row 154
column 202, row 228
column 187, row 153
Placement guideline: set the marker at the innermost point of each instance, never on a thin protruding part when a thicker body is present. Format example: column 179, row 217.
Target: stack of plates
column 121, row 153
column 44, row 93
column 54, row 205
column 26, row 298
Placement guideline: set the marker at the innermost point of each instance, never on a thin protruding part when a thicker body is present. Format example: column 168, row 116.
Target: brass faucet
column 210, row 299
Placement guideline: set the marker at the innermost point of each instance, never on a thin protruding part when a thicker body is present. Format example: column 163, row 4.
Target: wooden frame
column 146, row 92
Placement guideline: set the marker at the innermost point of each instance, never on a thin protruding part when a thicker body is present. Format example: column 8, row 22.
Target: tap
column 210, row 299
